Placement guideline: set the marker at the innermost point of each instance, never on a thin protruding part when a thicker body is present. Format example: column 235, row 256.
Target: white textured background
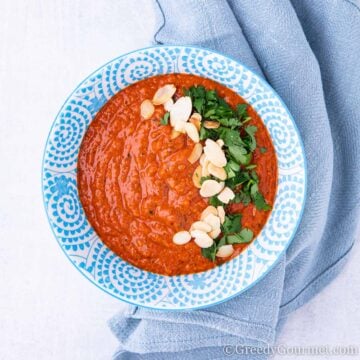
column 48, row 310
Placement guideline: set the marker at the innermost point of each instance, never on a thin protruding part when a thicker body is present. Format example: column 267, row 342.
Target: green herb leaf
column 260, row 202
column 204, row 178
column 242, row 197
column 244, row 236
column 214, row 201
column 198, row 105
column 232, row 224
column 209, row 252
column 263, row 150
column 240, row 154
column 240, row 177
column 165, row 119
column 250, row 139
column 241, row 110
column 221, row 242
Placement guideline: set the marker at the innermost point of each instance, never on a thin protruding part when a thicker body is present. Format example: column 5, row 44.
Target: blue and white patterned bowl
column 80, row 242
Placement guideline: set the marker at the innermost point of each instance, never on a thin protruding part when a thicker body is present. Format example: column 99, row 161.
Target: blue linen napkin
column 309, row 51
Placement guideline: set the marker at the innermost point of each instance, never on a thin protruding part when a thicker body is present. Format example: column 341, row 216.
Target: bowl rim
column 305, row 169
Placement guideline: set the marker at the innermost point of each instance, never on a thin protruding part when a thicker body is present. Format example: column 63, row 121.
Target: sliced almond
column 192, row 132
column 196, row 116
column 147, row 109
column 216, row 171
column 210, row 188
column 181, row 110
column 220, row 142
column 213, row 221
column 163, row 94
column 208, row 124
column 202, row 159
column 225, row 251
column 196, row 120
column 181, row 237
column 197, row 177
column 226, row 195
column 169, row 104
column 174, row 134
column 205, row 171
column 209, row 210
column 214, row 153
column 201, row 225
column 201, row 238
column 215, row 233
column 180, row 127
column 221, row 213
column 195, row 154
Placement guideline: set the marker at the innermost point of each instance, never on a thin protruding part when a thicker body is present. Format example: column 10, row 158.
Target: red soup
column 136, row 183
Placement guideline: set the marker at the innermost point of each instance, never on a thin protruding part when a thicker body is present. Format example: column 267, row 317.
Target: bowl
column 107, row 270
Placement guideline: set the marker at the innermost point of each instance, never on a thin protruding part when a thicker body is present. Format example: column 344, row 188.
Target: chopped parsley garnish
column 238, row 135
column 239, row 144
column 232, row 233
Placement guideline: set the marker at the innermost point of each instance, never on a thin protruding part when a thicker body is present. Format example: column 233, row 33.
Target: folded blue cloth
column 309, row 51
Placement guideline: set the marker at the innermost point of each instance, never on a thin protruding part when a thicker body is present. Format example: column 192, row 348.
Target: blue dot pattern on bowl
column 78, row 239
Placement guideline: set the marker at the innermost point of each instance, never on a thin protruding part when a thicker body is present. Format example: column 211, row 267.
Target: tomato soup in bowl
column 177, row 174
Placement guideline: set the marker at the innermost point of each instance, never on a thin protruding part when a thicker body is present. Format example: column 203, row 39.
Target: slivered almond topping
column 174, row 134
column 216, row 171
column 215, row 233
column 221, row 214
column 214, row 153
column 180, row 127
column 209, row 210
column 201, row 238
column 196, row 120
column 181, row 110
column 192, row 132
column 226, row 195
column 210, row 188
column 181, row 237
column 204, row 169
column 202, row 159
column 169, row 104
column 208, row 124
column 213, row 221
column 225, row 251
column 220, row 142
column 201, row 225
column 147, row 109
column 195, row 154
column 163, row 94
column 196, row 116
column 196, row 177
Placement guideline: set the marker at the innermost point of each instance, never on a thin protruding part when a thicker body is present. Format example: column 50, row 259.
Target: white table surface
column 47, row 309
